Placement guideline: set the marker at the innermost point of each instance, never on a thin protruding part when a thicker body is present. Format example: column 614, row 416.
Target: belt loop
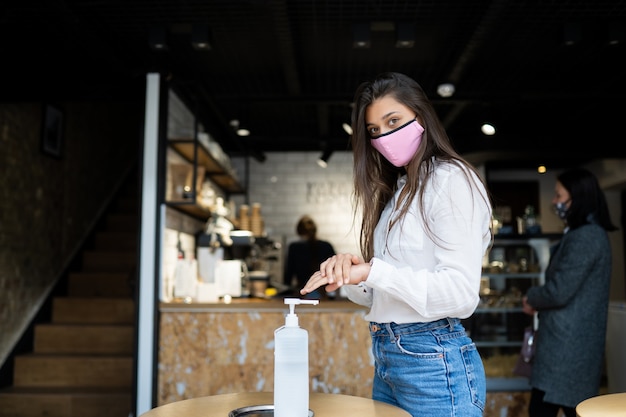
column 450, row 323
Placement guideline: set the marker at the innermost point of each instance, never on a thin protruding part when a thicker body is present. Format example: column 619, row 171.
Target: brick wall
column 47, row 205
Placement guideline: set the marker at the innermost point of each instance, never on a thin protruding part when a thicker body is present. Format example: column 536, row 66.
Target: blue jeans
column 429, row 369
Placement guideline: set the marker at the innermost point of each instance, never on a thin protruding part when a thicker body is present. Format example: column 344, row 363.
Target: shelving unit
column 213, row 169
column 197, row 156
column 514, row 264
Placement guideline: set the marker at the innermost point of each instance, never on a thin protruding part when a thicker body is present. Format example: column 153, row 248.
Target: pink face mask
column 399, row 145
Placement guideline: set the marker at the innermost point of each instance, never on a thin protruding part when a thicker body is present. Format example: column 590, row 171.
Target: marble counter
column 210, row 349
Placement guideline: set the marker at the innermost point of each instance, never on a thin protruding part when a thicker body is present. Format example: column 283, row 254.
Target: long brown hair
column 375, row 178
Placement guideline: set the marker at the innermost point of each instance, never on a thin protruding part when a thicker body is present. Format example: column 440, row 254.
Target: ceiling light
column 616, row 34
column 323, row 160
column 445, row 89
column 361, row 36
column 347, row 128
column 157, row 39
column 239, row 130
column 201, row 37
column 488, row 129
column 572, row 33
column 405, row 35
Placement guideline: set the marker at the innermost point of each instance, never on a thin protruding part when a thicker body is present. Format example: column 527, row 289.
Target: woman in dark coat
column 573, row 302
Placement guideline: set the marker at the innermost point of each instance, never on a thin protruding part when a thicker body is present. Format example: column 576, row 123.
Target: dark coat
column 573, row 308
column 304, row 258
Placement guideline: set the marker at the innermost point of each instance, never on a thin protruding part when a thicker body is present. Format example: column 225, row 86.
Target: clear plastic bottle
column 291, row 365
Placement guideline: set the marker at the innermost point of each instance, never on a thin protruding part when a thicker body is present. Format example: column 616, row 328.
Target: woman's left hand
column 336, row 271
column 527, row 308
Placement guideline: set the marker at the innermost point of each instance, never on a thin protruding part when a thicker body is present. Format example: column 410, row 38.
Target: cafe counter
column 211, row 349
column 208, row 349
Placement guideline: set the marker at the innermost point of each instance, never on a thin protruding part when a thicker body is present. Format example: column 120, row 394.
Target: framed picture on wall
column 52, row 131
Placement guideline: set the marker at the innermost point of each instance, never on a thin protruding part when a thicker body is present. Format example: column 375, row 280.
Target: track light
column 361, row 36
column 572, row 33
column 616, row 34
column 157, row 39
column 238, row 129
column 405, row 35
column 201, row 37
column 323, row 160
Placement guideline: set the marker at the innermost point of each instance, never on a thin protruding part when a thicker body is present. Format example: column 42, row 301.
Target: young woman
column 574, row 302
column 425, row 228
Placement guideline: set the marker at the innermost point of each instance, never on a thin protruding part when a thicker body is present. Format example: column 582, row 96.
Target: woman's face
column 386, row 114
column 561, row 195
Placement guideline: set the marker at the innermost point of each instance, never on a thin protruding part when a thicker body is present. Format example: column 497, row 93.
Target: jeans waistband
column 405, row 328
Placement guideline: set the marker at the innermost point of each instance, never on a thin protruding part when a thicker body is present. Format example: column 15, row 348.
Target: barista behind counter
column 305, row 256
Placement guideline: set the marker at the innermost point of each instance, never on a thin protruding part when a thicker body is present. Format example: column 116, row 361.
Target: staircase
column 82, row 360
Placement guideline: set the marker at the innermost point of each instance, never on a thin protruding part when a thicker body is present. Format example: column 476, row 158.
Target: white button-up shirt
column 416, row 279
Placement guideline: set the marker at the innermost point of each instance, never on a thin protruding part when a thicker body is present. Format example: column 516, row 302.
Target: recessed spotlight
column 445, row 89
column 243, row 132
column 347, row 128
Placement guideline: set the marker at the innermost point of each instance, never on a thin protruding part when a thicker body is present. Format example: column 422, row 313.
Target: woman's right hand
column 338, row 270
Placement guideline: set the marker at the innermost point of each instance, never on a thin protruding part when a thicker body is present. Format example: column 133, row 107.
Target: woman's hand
column 527, row 308
column 338, row 270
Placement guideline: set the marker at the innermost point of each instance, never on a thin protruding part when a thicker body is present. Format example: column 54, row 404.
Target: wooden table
column 323, row 405
column 608, row 405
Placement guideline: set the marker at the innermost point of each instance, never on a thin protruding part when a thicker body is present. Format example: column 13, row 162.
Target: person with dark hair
column 305, row 255
column 426, row 225
column 573, row 303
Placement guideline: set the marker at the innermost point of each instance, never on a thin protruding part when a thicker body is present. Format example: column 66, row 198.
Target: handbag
column 524, row 364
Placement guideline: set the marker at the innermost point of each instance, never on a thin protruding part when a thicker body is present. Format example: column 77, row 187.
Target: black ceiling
column 287, row 69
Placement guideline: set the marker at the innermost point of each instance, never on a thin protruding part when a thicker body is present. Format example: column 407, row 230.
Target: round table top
column 608, row 405
column 323, row 405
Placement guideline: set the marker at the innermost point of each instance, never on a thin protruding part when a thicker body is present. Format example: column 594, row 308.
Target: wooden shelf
column 214, row 170
column 190, row 208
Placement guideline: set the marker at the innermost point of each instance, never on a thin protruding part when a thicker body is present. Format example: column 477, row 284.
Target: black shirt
column 304, row 258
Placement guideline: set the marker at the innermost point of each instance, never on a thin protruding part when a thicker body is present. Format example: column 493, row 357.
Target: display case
column 513, row 264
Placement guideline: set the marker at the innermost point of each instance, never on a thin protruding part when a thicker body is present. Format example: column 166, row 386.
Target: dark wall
column 50, row 202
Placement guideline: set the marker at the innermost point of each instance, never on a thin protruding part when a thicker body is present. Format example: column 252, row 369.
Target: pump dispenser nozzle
column 292, row 318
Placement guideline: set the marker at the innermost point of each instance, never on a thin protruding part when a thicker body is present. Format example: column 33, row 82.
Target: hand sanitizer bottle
column 291, row 365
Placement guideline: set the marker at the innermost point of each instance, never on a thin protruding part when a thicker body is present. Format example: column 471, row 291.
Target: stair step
column 116, row 241
column 34, row 370
column 83, row 339
column 84, row 310
column 96, row 284
column 122, row 222
column 99, row 261
column 128, row 204
column 65, row 402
